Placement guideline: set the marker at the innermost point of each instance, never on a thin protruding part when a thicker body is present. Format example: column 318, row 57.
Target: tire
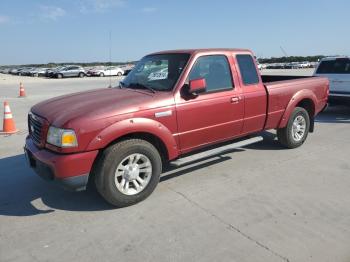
column 102, row 74
column 81, row 75
column 59, row 76
column 287, row 136
column 119, row 74
column 109, row 182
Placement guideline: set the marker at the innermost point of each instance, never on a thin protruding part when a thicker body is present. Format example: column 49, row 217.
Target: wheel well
column 154, row 140
column 309, row 106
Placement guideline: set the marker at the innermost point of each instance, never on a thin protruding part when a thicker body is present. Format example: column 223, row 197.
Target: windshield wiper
column 138, row 85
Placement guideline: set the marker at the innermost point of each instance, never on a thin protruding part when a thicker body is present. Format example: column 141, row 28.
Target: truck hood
column 93, row 105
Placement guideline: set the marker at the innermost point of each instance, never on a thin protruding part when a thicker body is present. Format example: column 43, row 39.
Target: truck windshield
column 157, row 72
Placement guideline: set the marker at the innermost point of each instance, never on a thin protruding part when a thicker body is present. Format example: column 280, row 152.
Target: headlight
column 61, row 137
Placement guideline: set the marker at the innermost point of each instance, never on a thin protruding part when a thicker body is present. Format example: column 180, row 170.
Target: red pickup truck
column 170, row 105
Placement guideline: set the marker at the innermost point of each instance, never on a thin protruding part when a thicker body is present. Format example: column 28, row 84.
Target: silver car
column 70, row 71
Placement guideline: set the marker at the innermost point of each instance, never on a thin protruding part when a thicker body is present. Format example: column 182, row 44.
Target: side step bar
column 216, row 151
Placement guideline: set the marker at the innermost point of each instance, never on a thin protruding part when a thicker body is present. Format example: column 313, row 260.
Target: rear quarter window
column 247, row 69
column 337, row 66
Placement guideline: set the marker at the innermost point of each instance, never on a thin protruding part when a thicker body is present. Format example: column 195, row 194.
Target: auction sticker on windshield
column 157, row 76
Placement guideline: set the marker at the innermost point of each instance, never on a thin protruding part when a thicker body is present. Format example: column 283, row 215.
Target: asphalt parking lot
column 257, row 203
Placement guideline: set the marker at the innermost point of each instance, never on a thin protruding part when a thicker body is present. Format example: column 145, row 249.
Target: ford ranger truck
column 172, row 104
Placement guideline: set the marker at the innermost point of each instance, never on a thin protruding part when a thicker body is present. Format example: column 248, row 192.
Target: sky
column 42, row 31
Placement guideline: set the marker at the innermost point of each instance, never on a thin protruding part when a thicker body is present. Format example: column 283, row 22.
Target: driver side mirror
column 197, row 86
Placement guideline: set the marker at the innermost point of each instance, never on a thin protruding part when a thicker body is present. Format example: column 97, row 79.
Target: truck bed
column 281, row 89
column 275, row 78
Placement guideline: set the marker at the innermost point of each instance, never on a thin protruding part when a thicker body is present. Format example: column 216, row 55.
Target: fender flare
column 296, row 99
column 135, row 125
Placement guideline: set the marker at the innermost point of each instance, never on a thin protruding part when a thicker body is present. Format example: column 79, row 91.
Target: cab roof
column 204, row 50
column 330, row 58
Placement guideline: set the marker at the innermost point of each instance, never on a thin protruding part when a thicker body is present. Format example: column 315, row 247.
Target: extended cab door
column 254, row 94
column 215, row 115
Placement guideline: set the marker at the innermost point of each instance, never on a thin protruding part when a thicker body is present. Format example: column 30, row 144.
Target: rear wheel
column 102, row 74
column 297, row 129
column 128, row 172
column 119, row 74
column 59, row 76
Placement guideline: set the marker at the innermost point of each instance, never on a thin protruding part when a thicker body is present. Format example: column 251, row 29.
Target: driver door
column 215, row 115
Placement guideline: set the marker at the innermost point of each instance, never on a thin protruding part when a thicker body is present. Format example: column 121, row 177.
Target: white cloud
column 149, row 9
column 52, row 12
column 4, row 19
column 99, row 6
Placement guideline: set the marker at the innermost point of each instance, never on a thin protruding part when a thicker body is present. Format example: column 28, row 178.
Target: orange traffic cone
column 22, row 93
column 8, row 124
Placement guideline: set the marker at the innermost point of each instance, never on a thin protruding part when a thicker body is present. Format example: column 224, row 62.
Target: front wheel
column 81, row 75
column 297, row 129
column 128, row 172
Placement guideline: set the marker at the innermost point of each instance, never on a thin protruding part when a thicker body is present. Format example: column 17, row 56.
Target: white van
column 337, row 69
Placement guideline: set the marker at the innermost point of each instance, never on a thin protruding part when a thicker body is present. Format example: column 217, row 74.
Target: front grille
column 36, row 128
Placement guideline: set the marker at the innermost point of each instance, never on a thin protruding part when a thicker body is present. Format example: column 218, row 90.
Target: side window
column 337, row 66
column 248, row 69
column 216, row 71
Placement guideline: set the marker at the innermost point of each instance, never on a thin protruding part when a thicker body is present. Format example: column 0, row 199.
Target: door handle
column 235, row 100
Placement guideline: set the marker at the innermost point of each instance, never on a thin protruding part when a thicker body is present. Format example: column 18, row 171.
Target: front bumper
column 71, row 171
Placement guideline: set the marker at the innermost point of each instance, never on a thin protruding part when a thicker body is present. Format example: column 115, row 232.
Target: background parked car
column 305, row 64
column 70, row 71
column 107, row 71
column 4, row 70
column 293, row 65
column 15, row 70
column 51, row 71
column 26, row 71
column 38, row 71
column 337, row 70
column 91, row 70
column 12, row 71
column 20, row 71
